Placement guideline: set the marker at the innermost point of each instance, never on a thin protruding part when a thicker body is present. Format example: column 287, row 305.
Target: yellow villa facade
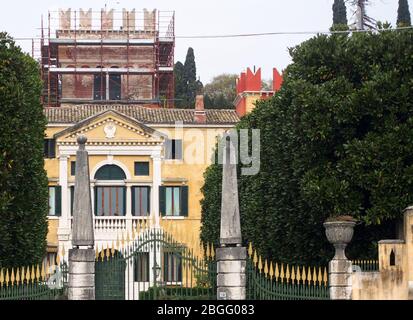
column 146, row 166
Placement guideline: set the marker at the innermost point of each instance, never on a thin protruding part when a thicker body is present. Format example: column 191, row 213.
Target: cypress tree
column 23, row 180
column 192, row 85
column 180, row 85
column 339, row 13
column 403, row 14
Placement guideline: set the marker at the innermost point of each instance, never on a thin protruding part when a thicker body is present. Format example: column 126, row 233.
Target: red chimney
column 200, row 114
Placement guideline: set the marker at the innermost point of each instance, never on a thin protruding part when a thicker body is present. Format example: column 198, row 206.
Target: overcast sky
column 21, row 19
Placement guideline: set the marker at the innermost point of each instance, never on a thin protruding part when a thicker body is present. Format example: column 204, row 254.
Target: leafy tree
column 339, row 13
column 220, row 93
column 336, row 139
column 403, row 14
column 23, row 180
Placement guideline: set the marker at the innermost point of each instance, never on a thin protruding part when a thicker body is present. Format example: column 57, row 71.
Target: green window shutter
column 96, row 200
column 162, row 200
column 178, row 149
column 58, row 200
column 133, row 191
column 168, row 149
column 184, row 201
column 72, row 196
column 72, row 168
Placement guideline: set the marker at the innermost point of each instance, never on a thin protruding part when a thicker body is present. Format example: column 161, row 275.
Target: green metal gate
column 154, row 266
column 39, row 282
column 268, row 281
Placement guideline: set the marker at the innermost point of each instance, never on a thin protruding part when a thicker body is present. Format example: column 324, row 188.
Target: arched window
column 110, row 199
column 110, row 172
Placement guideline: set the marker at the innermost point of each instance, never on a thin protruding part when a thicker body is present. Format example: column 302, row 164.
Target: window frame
column 57, row 201
column 122, row 198
column 133, row 201
column 143, row 275
column 171, row 149
column 148, row 169
column 183, row 201
column 177, row 273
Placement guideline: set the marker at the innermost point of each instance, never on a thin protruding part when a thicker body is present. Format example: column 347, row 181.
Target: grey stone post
column 231, row 257
column 82, row 255
column 339, row 233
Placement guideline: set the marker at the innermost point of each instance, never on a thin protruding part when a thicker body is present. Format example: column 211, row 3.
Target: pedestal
column 81, row 274
column 231, row 278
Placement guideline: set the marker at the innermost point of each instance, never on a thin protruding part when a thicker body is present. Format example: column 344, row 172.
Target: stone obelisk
column 82, row 254
column 231, row 256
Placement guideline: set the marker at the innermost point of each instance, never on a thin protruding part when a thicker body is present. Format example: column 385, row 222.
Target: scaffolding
column 107, row 56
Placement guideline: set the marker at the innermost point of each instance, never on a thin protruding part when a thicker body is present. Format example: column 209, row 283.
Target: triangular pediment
column 111, row 127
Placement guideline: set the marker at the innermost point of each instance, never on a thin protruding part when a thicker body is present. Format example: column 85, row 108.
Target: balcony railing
column 109, row 224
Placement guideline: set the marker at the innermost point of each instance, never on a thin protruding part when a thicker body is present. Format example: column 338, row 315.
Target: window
column 99, row 86
column 55, row 201
column 142, row 168
column 141, row 267
column 72, row 197
column 173, row 201
column 173, row 149
column 115, row 86
column 172, row 267
column 72, row 168
column 49, row 148
column 141, row 201
column 110, row 172
column 110, row 201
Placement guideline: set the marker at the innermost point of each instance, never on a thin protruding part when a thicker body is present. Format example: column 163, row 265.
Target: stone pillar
column 128, row 209
column 82, row 254
column 408, row 238
column 156, row 183
column 339, row 233
column 81, row 274
column 231, row 257
column 231, row 281
column 64, row 221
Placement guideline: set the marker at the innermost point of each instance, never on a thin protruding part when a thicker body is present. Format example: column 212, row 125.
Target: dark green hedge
column 336, row 139
column 23, row 180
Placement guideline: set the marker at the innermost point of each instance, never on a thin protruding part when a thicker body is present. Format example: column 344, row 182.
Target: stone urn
column 339, row 232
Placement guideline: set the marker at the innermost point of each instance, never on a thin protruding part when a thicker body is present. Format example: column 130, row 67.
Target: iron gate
column 154, row 266
column 277, row 281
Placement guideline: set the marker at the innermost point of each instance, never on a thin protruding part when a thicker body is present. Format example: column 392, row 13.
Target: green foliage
column 339, row 13
column 186, row 84
column 403, row 14
column 335, row 140
column 23, row 180
column 220, row 93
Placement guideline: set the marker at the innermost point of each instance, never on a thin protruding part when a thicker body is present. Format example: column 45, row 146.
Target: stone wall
column 390, row 282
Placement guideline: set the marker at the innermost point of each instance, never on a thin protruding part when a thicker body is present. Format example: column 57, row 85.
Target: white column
column 129, row 209
column 156, row 182
column 64, row 223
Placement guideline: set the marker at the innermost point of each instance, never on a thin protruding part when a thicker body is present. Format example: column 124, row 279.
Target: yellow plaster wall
column 198, row 147
column 53, row 224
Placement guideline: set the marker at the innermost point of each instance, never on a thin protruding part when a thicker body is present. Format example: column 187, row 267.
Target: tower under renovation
column 108, row 56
